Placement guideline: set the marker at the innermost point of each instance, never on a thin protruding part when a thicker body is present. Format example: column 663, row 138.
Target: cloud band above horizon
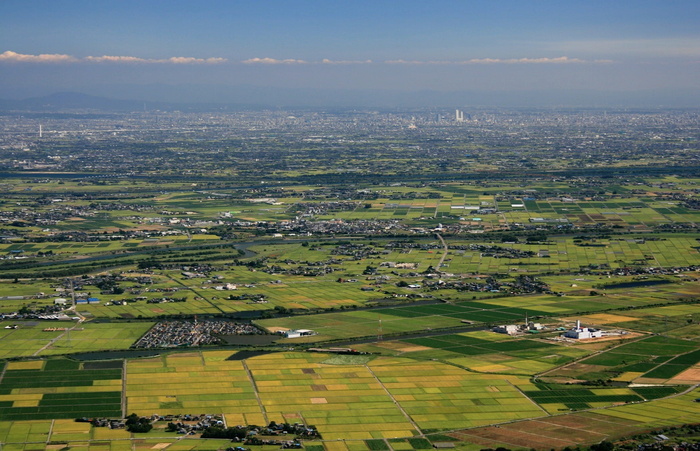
column 14, row 57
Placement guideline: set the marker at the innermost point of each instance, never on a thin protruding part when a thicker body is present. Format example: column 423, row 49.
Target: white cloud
column 190, row 60
column 114, row 59
column 416, row 62
column 273, row 61
column 10, row 56
column 14, row 57
column 328, row 61
column 299, row 61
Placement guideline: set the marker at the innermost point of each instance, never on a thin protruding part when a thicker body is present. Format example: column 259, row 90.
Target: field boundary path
column 547, row 414
column 4, row 368
column 54, row 340
column 255, row 390
column 444, row 253
column 48, row 436
column 396, row 403
column 195, row 292
column 124, row 388
column 582, row 358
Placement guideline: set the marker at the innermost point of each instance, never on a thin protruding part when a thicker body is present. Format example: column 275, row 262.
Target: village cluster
column 167, row 334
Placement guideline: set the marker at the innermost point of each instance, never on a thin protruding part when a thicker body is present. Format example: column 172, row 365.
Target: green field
column 59, row 389
column 621, row 257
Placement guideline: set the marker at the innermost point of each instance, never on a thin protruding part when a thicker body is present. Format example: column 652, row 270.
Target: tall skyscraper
column 459, row 116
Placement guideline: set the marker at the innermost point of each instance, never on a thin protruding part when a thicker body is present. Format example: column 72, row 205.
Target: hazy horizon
column 322, row 53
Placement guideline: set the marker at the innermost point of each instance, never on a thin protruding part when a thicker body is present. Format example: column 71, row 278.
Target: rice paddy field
column 586, row 427
column 43, row 338
column 649, row 360
column 433, row 372
column 283, row 282
column 486, row 352
column 34, row 390
column 383, row 398
column 628, row 306
column 83, row 249
column 356, row 402
column 637, row 210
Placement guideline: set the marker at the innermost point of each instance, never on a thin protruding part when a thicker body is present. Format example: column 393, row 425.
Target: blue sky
column 494, row 45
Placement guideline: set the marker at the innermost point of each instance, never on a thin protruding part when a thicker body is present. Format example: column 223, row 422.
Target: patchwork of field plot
column 60, row 389
column 471, row 206
column 555, row 254
column 192, row 383
column 443, row 397
column 488, row 352
column 418, row 318
column 100, row 246
column 56, row 434
column 566, row 399
column 586, row 427
column 651, row 360
column 679, row 321
column 324, row 291
column 342, row 401
column 411, row 204
column 385, row 398
column 560, row 254
column 353, row 398
column 433, row 384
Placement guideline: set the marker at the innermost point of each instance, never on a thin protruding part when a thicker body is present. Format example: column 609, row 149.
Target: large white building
column 579, row 332
column 510, row 329
column 298, row 333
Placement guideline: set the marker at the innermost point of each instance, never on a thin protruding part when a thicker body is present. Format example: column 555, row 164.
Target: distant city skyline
column 214, row 50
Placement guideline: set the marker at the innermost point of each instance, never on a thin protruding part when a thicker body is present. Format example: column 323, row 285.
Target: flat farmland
column 59, row 389
column 417, row 318
column 445, row 397
column 384, row 398
column 628, row 213
column 664, row 412
column 351, row 324
column 98, row 337
column 672, row 320
column 51, row 338
column 651, row 359
column 565, row 254
column 343, row 401
column 99, row 247
column 391, row 231
column 484, row 353
column 586, row 427
column 189, row 383
column 283, row 287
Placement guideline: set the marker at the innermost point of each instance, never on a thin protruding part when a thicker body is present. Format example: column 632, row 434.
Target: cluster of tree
column 242, row 432
column 135, row 423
